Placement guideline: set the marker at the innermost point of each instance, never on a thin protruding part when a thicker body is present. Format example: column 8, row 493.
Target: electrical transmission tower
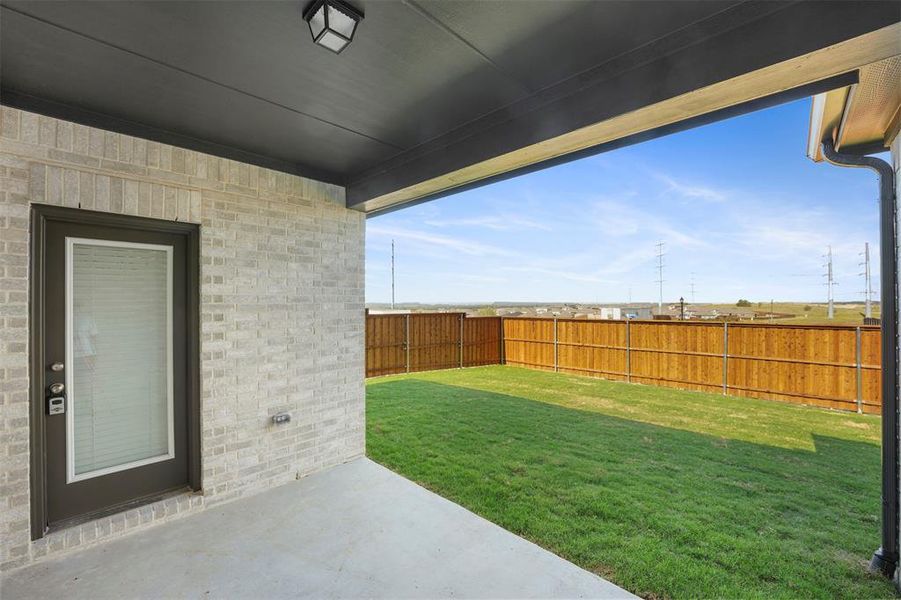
column 660, row 254
column 692, row 287
column 867, row 281
column 392, row 274
column 830, row 284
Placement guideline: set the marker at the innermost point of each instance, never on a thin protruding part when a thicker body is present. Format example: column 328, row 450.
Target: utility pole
column 392, row 274
column 660, row 254
column 867, row 281
column 692, row 287
column 830, row 283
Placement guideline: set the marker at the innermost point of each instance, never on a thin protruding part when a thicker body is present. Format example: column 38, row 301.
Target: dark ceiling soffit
column 750, row 37
column 196, row 75
column 791, row 95
column 399, row 169
column 425, row 14
column 66, row 112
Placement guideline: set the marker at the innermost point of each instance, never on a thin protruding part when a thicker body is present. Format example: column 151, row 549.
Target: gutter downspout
column 885, row 559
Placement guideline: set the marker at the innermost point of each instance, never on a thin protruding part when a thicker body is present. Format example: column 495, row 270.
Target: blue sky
column 737, row 203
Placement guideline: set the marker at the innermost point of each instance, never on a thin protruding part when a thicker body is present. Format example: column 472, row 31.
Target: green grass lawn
column 669, row 494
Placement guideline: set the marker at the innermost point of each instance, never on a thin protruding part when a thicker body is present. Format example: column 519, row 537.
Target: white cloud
column 797, row 234
column 495, row 222
column 424, row 239
column 692, row 191
column 616, row 218
column 629, row 261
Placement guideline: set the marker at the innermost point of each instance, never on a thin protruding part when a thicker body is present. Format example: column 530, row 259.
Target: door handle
column 57, row 388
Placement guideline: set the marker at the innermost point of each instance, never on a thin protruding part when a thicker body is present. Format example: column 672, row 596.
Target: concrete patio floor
column 357, row 530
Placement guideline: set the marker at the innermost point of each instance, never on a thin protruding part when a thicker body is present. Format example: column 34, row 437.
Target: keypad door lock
column 56, row 405
column 56, row 401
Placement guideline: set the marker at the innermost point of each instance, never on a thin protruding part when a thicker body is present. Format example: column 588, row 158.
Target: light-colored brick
column 281, row 313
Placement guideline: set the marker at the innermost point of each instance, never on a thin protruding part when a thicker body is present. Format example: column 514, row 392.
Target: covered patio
column 356, row 530
column 242, row 157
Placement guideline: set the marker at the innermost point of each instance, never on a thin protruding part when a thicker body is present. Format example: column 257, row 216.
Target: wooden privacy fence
column 834, row 366
column 831, row 366
column 427, row 341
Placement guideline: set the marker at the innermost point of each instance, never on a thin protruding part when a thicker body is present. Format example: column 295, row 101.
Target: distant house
column 611, row 313
column 637, row 312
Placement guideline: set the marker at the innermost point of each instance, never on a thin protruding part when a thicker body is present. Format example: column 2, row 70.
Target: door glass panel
column 119, row 355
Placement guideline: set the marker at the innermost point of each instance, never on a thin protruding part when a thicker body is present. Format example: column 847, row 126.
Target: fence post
column 407, row 341
column 500, row 340
column 725, row 356
column 462, row 316
column 556, row 367
column 859, row 371
column 629, row 350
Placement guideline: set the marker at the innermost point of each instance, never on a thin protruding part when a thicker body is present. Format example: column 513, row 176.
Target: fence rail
column 414, row 342
column 834, row 366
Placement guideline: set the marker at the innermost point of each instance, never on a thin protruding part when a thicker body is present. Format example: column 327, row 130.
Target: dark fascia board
column 67, row 112
column 720, row 115
column 750, row 37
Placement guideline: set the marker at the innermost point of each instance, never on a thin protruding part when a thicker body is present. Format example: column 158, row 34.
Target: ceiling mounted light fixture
column 332, row 23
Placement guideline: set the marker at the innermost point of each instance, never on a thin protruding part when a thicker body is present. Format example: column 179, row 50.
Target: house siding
column 282, row 324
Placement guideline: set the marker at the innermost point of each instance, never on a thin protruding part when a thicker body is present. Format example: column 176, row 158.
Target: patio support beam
column 885, row 559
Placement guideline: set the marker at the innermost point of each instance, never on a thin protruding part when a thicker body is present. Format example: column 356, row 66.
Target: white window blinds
column 119, row 356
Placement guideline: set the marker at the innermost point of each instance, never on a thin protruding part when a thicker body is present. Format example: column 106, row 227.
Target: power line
column 830, row 283
column 392, row 274
column 660, row 254
column 867, row 281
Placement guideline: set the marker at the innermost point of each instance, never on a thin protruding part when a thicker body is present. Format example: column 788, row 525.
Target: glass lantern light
column 332, row 23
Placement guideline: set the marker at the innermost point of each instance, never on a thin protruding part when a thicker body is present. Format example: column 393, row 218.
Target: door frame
column 40, row 215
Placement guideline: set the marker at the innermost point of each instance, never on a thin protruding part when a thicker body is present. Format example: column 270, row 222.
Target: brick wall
column 281, row 311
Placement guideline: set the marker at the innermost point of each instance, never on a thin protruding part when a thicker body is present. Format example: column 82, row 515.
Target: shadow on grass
column 663, row 512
